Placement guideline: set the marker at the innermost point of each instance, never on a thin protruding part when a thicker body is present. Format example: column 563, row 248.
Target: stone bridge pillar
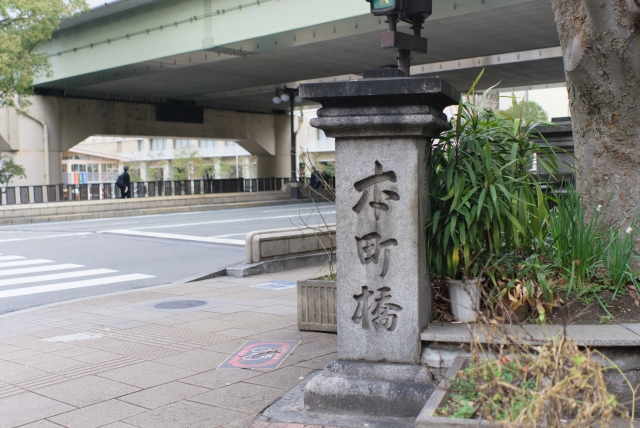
column 383, row 130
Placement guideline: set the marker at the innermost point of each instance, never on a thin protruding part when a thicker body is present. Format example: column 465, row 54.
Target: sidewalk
column 116, row 361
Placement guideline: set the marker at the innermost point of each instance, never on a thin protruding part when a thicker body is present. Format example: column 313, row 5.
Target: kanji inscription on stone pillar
column 381, row 272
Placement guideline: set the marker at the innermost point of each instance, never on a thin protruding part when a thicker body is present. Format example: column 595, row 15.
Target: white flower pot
column 465, row 298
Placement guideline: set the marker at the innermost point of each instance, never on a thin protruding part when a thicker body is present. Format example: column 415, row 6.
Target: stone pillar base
column 370, row 388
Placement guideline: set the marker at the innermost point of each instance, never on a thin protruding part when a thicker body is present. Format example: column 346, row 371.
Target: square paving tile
column 193, row 316
column 295, row 334
column 318, row 363
column 283, row 378
column 185, row 414
column 12, row 372
column 73, row 352
column 248, row 317
column 277, row 310
column 86, row 390
column 317, row 348
column 141, row 315
column 35, row 344
column 228, row 347
column 96, row 357
column 146, row 374
column 211, row 324
column 230, row 308
column 162, row 395
column 240, row 423
column 17, row 355
column 197, row 360
column 167, row 321
column 240, row 333
column 264, row 328
column 58, row 364
column 214, row 379
column 43, row 423
column 5, row 349
column 242, row 397
column 97, row 415
column 101, row 311
column 116, row 425
column 39, row 358
column 28, row 407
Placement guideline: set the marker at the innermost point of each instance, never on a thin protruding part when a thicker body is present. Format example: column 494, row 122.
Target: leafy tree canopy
column 527, row 110
column 10, row 170
column 25, row 24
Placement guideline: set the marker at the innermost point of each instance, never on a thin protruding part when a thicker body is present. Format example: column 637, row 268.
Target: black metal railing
column 149, row 189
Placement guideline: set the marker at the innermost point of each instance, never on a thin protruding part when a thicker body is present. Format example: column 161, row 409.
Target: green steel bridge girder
column 182, row 33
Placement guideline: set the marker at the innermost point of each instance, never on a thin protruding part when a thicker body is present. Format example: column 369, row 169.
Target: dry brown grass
column 550, row 384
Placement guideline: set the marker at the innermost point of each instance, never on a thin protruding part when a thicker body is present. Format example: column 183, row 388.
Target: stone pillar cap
column 403, row 91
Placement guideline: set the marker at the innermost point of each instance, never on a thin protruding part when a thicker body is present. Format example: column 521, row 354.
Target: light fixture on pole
column 414, row 12
column 290, row 95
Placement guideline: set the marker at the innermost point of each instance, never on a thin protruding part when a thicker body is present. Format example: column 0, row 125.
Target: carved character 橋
column 378, row 312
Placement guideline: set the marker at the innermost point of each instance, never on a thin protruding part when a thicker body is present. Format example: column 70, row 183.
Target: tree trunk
column 600, row 42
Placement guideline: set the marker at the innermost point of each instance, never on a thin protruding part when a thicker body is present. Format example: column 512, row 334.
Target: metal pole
column 404, row 61
column 295, row 190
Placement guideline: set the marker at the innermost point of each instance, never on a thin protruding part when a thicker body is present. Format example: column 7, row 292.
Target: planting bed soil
column 623, row 309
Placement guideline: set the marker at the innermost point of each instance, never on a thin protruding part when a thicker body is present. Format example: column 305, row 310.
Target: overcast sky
column 94, row 3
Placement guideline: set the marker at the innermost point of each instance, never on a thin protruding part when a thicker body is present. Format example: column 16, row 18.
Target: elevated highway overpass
column 212, row 67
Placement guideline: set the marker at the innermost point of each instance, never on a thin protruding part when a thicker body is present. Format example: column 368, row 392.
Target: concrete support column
column 278, row 165
column 383, row 132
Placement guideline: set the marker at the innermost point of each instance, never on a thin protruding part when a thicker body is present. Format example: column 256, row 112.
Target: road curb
column 150, row 211
column 243, row 270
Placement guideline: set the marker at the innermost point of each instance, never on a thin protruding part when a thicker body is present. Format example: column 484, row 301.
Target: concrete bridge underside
column 113, row 66
column 71, row 121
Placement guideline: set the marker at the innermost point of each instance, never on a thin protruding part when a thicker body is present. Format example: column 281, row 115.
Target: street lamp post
column 291, row 95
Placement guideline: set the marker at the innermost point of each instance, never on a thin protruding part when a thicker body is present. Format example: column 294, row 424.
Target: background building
column 101, row 159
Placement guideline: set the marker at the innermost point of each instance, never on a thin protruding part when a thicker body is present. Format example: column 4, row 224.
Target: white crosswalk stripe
column 71, row 285
column 28, row 272
column 54, row 276
column 37, row 269
column 7, row 258
column 25, row 263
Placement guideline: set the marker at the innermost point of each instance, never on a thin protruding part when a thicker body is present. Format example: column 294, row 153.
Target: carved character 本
column 378, row 203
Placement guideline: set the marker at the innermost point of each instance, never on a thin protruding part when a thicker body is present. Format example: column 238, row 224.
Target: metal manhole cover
column 180, row 304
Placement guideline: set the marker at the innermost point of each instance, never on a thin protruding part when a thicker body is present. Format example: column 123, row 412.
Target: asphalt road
column 53, row 262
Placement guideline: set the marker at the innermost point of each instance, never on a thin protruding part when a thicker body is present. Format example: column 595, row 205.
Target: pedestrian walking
column 124, row 183
column 316, row 178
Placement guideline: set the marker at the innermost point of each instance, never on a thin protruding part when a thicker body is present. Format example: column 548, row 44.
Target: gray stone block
column 292, row 409
column 370, row 388
column 383, row 294
column 383, row 128
column 274, row 248
column 279, row 265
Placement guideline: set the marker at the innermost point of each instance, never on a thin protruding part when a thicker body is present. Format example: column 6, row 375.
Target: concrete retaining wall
column 291, row 242
column 82, row 210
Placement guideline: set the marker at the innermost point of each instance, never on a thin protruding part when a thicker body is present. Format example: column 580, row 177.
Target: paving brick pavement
column 116, row 361
column 259, row 424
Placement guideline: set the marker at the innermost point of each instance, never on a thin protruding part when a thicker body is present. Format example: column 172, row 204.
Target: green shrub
column 485, row 199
